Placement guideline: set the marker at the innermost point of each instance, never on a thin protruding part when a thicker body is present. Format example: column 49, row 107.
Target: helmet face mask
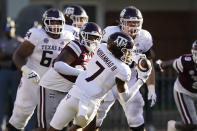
column 90, row 36
column 53, row 21
column 131, row 20
column 91, row 41
column 194, row 51
column 78, row 21
column 131, row 27
column 127, row 55
column 76, row 15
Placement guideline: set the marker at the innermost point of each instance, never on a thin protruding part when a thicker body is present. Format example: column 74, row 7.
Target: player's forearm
column 65, row 69
column 151, row 78
column 166, row 64
column 18, row 60
column 135, row 88
column 131, row 92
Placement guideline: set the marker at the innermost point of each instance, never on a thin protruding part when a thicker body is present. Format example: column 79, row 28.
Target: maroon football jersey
column 187, row 70
column 81, row 54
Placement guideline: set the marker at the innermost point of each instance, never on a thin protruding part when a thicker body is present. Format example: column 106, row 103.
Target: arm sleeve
column 177, row 65
column 131, row 92
column 65, row 69
column 33, row 35
column 148, row 40
column 105, row 35
column 124, row 74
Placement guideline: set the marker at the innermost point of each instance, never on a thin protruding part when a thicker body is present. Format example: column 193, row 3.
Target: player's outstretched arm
column 125, row 93
column 163, row 65
column 62, row 64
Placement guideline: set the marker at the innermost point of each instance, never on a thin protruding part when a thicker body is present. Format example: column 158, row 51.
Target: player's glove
column 159, row 65
column 30, row 74
column 152, row 95
column 143, row 75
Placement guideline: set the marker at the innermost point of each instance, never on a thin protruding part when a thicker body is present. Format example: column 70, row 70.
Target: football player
column 185, row 89
column 131, row 23
column 75, row 16
column 106, row 68
column 34, row 57
column 58, row 80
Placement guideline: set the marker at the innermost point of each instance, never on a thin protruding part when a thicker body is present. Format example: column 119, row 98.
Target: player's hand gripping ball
column 144, row 64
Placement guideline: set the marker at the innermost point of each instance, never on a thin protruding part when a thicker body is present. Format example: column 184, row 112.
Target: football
column 144, row 64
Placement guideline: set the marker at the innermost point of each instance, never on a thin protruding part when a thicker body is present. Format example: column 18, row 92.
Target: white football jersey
column 99, row 77
column 73, row 30
column 46, row 49
column 142, row 42
column 60, row 82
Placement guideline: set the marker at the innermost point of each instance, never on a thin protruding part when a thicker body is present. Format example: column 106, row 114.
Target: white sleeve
column 177, row 65
column 33, row 36
column 131, row 92
column 124, row 74
column 105, row 35
column 65, row 69
column 68, row 36
column 148, row 41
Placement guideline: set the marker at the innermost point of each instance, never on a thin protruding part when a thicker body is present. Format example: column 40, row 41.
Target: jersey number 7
column 92, row 77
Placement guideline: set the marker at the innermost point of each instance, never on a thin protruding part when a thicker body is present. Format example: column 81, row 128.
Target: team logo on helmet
column 121, row 41
column 69, row 11
column 75, row 15
column 121, row 45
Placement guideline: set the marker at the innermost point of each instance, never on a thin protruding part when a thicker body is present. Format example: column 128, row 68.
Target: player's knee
column 139, row 128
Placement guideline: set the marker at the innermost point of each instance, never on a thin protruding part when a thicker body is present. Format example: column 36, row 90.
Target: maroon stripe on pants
column 40, row 110
column 182, row 112
column 45, row 125
column 42, row 118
